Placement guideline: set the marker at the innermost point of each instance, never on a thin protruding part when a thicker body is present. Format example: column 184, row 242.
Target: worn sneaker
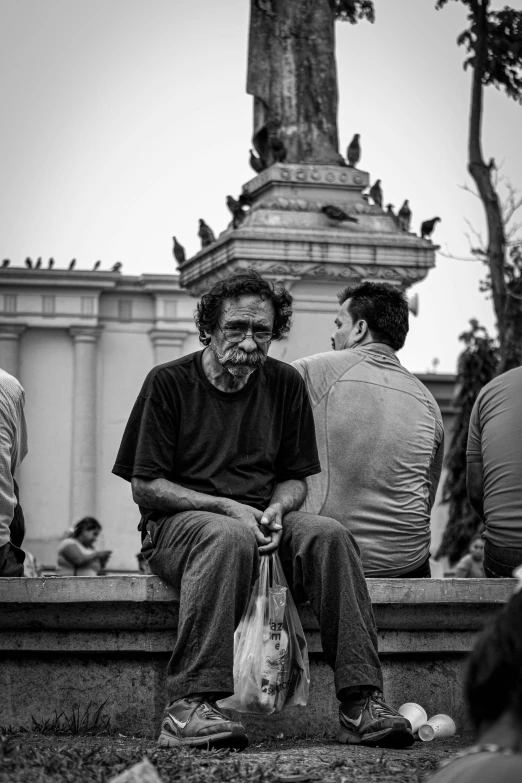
column 372, row 722
column 197, row 722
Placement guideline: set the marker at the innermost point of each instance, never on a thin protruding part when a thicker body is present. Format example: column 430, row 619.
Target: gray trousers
column 214, row 561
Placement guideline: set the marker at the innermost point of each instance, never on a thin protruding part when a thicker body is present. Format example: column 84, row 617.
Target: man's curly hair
column 245, row 282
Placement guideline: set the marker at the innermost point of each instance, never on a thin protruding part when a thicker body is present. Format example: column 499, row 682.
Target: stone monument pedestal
column 286, row 236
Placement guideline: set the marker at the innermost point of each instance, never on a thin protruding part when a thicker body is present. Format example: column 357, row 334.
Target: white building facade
column 81, row 344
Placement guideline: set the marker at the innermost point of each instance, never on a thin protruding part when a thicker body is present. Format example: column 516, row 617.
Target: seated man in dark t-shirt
column 217, row 447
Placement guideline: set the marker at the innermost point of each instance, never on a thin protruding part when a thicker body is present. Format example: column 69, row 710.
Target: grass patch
column 30, row 758
column 80, row 722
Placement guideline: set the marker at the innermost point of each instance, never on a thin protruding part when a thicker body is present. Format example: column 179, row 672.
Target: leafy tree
column 477, row 365
column 353, row 10
column 493, row 42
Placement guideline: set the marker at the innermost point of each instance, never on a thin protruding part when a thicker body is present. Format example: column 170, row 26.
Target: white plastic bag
column 271, row 668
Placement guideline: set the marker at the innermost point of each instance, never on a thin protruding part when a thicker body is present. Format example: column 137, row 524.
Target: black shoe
column 372, row 722
column 197, row 722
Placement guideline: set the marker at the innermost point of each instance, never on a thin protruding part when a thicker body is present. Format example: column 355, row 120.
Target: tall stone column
column 10, row 347
column 167, row 344
column 84, row 424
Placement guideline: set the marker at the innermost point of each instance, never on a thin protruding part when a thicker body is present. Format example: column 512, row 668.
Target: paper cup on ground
column 416, row 714
column 439, row 726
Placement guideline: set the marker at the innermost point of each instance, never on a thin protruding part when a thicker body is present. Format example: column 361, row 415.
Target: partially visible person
column 77, row 555
column 494, row 471
column 493, row 692
column 379, row 432
column 471, row 566
column 13, row 448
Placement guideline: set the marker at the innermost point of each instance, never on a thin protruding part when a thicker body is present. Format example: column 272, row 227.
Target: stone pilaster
column 84, row 424
column 10, row 347
column 167, row 344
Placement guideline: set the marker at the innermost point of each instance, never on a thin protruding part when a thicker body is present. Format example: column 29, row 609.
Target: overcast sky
column 124, row 121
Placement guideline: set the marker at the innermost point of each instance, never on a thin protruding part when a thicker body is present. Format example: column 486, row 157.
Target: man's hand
column 251, row 518
column 272, row 520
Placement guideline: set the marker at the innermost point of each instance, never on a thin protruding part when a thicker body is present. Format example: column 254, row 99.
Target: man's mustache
column 238, row 356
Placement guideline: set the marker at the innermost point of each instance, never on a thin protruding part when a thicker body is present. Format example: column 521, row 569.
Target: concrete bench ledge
column 74, row 640
column 147, row 603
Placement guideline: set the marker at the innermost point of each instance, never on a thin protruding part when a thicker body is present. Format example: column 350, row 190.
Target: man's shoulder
column 322, row 370
column 171, row 372
column 426, row 395
column 510, row 382
column 281, row 369
column 334, row 363
column 11, row 386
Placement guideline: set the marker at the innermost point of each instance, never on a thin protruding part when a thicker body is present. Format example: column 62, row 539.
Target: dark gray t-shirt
column 495, row 440
column 235, row 445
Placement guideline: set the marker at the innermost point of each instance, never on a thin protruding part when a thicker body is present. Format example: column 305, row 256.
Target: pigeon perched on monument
column 376, row 193
column 404, row 216
column 116, row 267
column 337, row 215
column 50, row 263
column 428, row 226
column 96, row 266
column 353, row 151
column 256, row 163
column 205, row 233
column 5, row 263
column 238, row 213
column 72, row 264
column 178, row 251
column 38, row 263
column 28, row 263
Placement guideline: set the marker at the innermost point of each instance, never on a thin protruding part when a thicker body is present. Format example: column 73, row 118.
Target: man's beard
column 238, row 362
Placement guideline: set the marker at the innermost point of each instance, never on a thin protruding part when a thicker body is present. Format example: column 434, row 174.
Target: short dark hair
column 247, row 281
column 87, row 523
column 494, row 674
column 384, row 308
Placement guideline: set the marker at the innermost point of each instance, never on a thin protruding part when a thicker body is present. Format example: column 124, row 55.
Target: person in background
column 493, row 692
column 471, row 566
column 379, row 432
column 77, row 555
column 494, row 472
column 13, row 448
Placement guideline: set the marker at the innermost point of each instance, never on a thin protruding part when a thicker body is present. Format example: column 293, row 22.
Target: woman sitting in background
column 77, row 555
column 493, row 693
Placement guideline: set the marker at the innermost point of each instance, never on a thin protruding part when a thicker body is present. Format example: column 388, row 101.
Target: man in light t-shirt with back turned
column 494, row 475
column 379, row 433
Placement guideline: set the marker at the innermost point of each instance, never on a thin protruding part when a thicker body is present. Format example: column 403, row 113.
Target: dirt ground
column 37, row 758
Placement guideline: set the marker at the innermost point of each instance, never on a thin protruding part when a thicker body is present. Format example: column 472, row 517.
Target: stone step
column 71, row 641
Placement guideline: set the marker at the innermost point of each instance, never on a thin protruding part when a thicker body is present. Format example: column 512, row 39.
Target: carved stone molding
column 85, row 334
column 305, row 205
column 340, row 176
column 170, row 337
column 11, row 331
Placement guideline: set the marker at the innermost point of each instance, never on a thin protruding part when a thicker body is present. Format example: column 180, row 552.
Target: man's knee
column 326, row 530
column 233, row 535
